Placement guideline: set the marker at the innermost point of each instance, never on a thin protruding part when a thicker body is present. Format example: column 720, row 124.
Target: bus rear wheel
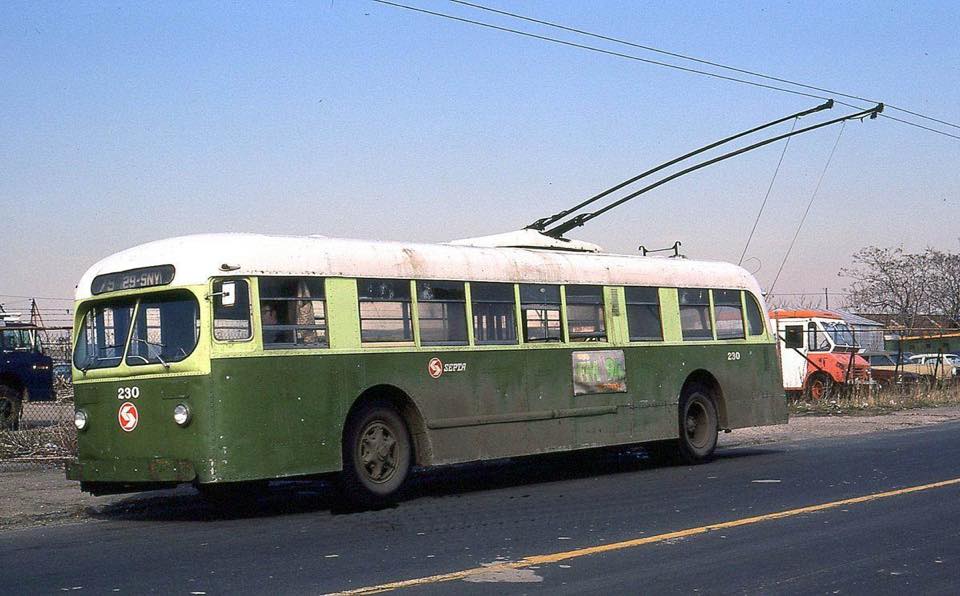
column 698, row 425
column 10, row 408
column 376, row 456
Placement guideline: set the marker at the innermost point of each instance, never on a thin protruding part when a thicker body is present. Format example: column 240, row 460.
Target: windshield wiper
column 155, row 344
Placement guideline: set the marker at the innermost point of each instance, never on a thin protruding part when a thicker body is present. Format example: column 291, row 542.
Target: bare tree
column 945, row 297
column 888, row 280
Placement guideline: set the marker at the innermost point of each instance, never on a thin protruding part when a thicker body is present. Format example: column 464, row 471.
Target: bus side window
column 585, row 313
column 643, row 314
column 540, row 311
column 755, row 322
column 728, row 313
column 231, row 322
column 386, row 312
column 293, row 312
column 695, row 314
column 442, row 313
column 494, row 313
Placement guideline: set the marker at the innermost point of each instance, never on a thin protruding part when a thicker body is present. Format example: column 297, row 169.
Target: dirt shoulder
column 809, row 426
column 43, row 496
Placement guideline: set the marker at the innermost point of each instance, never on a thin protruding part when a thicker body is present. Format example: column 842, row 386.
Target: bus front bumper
column 132, row 471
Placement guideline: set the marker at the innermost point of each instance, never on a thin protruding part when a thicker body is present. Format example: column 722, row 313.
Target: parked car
column 946, row 367
column 887, row 373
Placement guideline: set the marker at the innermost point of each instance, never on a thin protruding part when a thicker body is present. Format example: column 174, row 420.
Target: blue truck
column 26, row 373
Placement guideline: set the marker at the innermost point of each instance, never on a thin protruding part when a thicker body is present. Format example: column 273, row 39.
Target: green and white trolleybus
column 227, row 358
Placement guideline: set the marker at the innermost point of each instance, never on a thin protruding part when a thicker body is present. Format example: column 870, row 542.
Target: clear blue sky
column 123, row 123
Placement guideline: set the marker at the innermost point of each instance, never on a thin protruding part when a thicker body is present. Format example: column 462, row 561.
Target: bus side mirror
column 793, row 336
column 228, row 293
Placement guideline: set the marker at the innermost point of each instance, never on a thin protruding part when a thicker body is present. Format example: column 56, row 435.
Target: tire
column 376, row 456
column 819, row 387
column 698, row 425
column 11, row 407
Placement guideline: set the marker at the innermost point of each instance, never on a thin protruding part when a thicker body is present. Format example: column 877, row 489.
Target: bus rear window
column 728, row 313
column 755, row 320
column 695, row 314
column 385, row 310
column 103, row 335
column 166, row 329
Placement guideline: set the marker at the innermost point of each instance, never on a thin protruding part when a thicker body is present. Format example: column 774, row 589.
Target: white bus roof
column 199, row 257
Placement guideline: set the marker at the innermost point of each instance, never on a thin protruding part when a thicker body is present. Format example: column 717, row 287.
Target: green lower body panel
column 132, row 470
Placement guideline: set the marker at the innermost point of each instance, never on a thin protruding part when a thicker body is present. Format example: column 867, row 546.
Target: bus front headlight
column 181, row 414
column 80, row 419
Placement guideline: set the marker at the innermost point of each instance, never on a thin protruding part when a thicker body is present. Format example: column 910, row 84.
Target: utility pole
column 36, row 319
column 826, row 297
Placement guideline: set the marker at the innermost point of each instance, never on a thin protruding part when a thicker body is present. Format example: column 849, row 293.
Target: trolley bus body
column 182, row 373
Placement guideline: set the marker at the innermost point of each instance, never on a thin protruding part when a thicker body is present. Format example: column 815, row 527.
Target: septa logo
column 435, row 368
column 128, row 417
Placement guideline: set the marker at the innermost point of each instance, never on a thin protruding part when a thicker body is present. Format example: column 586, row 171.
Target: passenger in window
column 268, row 318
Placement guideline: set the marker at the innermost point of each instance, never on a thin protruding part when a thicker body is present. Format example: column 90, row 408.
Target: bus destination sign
column 133, row 279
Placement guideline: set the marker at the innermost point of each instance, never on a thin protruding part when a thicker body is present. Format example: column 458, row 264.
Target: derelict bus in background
column 217, row 359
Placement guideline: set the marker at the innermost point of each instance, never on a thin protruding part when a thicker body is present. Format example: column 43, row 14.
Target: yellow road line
column 603, row 548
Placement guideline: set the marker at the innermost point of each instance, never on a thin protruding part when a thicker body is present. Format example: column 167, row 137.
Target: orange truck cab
column 818, row 352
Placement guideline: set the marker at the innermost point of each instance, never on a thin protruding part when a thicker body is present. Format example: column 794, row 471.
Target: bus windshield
column 165, row 329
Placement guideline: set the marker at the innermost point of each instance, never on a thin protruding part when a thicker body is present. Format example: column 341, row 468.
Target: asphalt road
column 480, row 524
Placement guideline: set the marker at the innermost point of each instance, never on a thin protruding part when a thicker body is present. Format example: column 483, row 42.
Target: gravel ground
column 36, row 497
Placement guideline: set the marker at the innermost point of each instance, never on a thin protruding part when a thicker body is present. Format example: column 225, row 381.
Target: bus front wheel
column 376, row 456
column 10, row 408
column 698, row 425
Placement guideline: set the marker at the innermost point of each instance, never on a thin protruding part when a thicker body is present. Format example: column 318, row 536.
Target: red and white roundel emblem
column 435, row 368
column 128, row 416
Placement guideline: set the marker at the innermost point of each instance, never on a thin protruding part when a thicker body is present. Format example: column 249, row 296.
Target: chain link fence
column 43, row 433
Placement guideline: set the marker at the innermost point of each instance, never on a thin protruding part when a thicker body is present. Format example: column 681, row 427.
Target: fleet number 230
column 128, row 392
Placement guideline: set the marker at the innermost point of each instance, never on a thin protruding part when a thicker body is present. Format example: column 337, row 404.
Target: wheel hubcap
column 695, row 424
column 817, row 391
column 378, row 452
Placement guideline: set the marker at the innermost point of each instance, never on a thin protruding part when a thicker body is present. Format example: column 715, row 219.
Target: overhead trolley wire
column 664, row 64
column 593, row 48
column 701, row 61
column 28, row 298
column 767, row 196
column 807, row 211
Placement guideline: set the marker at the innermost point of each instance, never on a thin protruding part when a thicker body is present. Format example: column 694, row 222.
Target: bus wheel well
column 707, row 380
column 405, row 406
